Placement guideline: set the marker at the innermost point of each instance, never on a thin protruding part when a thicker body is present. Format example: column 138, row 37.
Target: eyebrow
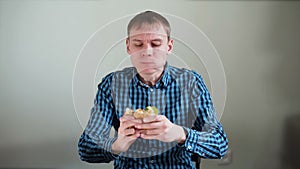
column 137, row 40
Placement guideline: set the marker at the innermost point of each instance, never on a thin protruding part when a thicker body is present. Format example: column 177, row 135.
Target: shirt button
column 151, row 90
column 189, row 147
column 203, row 154
column 152, row 161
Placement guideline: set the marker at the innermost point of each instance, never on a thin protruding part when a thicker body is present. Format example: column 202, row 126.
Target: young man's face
column 148, row 47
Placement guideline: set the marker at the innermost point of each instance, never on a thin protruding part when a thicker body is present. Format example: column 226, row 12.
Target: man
column 186, row 123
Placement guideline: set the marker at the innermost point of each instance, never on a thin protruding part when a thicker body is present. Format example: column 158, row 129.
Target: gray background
column 258, row 43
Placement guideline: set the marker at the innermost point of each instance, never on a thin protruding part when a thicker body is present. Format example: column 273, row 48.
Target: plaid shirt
column 180, row 95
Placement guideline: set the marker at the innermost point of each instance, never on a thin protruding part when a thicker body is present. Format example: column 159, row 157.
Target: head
column 149, row 42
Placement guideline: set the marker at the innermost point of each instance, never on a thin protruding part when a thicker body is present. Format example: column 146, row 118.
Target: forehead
column 148, row 31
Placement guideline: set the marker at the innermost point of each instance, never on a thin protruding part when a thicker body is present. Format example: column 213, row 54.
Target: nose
column 147, row 51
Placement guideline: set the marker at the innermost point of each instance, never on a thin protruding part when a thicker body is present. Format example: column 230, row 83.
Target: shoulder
column 185, row 74
column 126, row 73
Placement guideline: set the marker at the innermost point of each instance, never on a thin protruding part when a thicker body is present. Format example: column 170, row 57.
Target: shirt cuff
column 191, row 139
column 191, row 143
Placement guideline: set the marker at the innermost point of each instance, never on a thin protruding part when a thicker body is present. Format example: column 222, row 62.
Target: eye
column 138, row 44
column 156, row 43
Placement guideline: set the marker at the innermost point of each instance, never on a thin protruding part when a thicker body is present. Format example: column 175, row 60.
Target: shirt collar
column 164, row 80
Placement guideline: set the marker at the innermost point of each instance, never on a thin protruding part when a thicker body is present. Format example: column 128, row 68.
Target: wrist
column 114, row 148
column 182, row 136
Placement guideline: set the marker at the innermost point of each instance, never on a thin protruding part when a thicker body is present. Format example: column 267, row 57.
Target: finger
column 152, row 125
column 154, row 118
column 130, row 118
column 161, row 118
column 150, row 137
column 126, row 118
column 153, row 132
column 128, row 132
column 138, row 130
column 139, row 121
column 149, row 119
column 132, row 137
column 126, row 125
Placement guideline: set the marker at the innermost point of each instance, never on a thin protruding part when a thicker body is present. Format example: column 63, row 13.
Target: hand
column 127, row 134
column 160, row 128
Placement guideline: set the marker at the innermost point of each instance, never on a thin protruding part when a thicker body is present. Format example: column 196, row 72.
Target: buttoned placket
column 149, row 91
column 150, row 95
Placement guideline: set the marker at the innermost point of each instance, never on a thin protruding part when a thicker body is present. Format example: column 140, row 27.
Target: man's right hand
column 127, row 134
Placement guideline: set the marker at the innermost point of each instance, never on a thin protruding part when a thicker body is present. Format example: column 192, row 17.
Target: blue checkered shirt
column 180, row 95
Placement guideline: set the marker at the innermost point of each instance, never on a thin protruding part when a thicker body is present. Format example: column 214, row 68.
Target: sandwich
column 142, row 113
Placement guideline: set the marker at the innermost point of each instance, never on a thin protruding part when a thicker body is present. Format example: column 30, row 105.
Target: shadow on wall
column 291, row 140
column 287, row 82
column 284, row 43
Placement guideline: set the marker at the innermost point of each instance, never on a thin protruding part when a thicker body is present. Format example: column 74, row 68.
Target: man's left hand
column 161, row 128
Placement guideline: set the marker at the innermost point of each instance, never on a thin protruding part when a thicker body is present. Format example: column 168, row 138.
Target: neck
column 151, row 79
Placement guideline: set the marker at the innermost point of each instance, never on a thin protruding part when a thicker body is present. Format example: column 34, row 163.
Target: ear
column 170, row 46
column 127, row 46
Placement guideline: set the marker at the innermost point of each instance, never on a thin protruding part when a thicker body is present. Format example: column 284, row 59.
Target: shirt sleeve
column 94, row 145
column 207, row 137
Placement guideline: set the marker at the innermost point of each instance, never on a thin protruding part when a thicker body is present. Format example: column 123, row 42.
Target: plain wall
column 258, row 43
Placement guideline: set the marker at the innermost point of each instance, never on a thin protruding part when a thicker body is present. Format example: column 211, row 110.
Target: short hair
column 149, row 17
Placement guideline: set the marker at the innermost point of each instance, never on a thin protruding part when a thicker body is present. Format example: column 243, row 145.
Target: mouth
column 146, row 63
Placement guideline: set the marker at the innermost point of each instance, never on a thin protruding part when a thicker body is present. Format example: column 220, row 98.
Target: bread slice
column 142, row 113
